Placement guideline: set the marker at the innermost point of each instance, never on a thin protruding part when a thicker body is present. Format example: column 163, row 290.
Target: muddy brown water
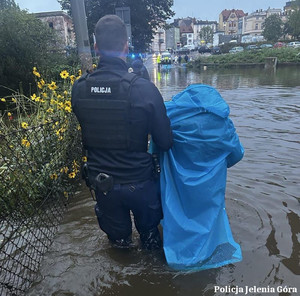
column 262, row 201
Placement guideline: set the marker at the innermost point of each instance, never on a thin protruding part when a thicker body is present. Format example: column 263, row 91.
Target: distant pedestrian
column 186, row 58
column 179, row 59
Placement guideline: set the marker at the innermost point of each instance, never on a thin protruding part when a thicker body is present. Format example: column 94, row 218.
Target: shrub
column 39, row 144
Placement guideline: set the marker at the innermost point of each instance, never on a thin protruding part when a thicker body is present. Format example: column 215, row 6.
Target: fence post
column 270, row 63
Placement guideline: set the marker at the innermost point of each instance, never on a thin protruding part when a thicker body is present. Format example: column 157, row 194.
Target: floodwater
column 262, row 201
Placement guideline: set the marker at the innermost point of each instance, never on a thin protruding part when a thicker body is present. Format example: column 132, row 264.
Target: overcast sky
column 201, row 9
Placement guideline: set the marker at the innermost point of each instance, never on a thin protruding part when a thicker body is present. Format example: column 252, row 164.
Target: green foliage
column 272, row 28
column 207, row 34
column 146, row 15
column 292, row 27
column 284, row 55
column 24, row 42
column 39, row 145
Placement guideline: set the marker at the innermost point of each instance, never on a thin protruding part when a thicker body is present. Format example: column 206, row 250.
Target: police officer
column 117, row 111
column 139, row 68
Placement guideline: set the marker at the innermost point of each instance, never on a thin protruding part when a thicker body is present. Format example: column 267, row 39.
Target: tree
column 272, row 28
column 292, row 27
column 146, row 15
column 25, row 42
column 207, row 34
column 7, row 4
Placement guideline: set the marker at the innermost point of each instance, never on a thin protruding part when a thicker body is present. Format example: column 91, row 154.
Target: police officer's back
column 117, row 111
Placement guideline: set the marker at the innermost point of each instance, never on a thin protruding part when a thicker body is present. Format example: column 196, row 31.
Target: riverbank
column 257, row 58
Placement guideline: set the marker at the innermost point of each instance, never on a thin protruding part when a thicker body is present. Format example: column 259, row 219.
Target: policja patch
column 97, row 87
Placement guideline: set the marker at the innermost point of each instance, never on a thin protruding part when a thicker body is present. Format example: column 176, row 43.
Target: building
column 173, row 38
column 158, row 41
column 187, row 32
column 198, row 25
column 62, row 24
column 229, row 20
column 289, row 7
column 250, row 27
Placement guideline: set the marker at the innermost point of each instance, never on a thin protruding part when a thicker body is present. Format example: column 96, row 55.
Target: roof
column 226, row 13
column 52, row 13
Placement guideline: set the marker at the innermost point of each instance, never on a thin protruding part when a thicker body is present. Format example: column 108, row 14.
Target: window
column 51, row 25
column 256, row 26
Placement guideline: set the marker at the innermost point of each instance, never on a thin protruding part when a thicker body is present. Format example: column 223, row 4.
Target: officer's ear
column 126, row 48
column 96, row 49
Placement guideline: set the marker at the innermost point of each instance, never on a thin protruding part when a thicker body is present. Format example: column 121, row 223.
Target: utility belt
column 105, row 183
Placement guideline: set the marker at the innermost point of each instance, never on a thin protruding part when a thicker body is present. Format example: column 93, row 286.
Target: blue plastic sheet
column 196, row 230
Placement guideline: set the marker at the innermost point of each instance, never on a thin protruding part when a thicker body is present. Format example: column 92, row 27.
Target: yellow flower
column 64, row 170
column 60, row 105
column 44, row 95
column 72, row 175
column 72, row 78
column 65, row 92
column 3, row 100
column 8, row 114
column 25, row 142
column 49, row 110
column 66, row 194
column 94, row 66
column 41, row 83
column 54, row 176
column 35, row 98
column 37, row 74
column 68, row 109
column 68, row 103
column 24, row 125
column 79, row 72
column 52, row 102
column 84, row 159
column 78, row 127
column 64, row 74
column 52, row 86
column 14, row 100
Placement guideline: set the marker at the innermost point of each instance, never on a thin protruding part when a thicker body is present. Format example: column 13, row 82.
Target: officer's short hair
column 111, row 35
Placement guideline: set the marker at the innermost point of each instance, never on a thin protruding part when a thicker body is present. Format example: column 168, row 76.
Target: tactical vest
column 103, row 111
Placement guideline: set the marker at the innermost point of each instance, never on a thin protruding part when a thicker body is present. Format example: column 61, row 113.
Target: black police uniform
column 117, row 111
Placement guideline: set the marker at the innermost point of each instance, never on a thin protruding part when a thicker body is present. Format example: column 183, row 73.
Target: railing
column 38, row 166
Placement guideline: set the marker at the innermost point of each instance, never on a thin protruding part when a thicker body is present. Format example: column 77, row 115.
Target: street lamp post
column 81, row 31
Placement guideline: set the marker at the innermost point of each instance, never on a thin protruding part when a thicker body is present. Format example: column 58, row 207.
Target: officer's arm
column 160, row 127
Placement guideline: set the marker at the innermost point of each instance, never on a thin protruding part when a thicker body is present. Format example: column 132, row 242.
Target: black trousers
column 113, row 209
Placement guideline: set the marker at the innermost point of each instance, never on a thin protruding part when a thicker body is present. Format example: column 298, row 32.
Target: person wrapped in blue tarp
column 196, row 230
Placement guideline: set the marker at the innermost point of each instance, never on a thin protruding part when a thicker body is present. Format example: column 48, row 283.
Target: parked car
column 236, row 49
column 266, row 45
column 294, row 44
column 182, row 51
column 203, row 49
column 216, row 50
column 252, row 47
column 279, row 45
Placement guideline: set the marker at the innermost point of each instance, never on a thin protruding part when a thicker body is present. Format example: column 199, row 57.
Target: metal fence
column 38, row 169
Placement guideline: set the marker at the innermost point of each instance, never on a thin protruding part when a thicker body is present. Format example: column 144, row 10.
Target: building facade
column 229, row 21
column 199, row 25
column 159, row 41
column 62, row 24
column 173, row 38
column 250, row 27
